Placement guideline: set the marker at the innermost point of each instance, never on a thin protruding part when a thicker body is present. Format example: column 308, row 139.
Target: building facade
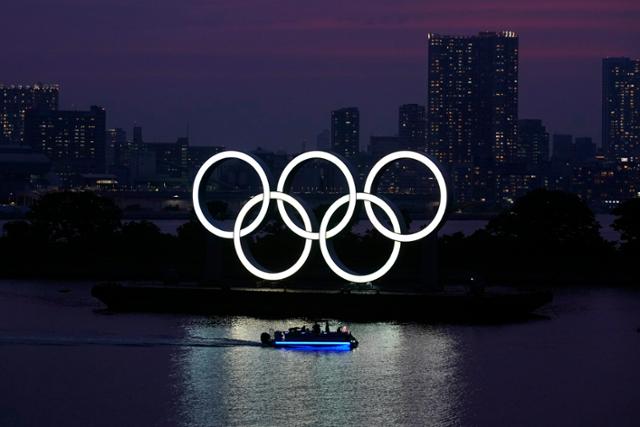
column 411, row 126
column 621, row 107
column 345, row 131
column 472, row 109
column 116, row 147
column 533, row 143
column 16, row 100
column 472, row 98
column 74, row 141
column 163, row 164
column 21, row 171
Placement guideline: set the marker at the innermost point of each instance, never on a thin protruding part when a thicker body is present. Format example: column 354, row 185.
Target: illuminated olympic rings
column 324, row 233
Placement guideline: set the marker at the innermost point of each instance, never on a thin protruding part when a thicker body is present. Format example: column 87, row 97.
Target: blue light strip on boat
column 312, row 343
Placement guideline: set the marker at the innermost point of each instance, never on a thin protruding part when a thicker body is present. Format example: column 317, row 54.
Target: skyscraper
column 74, row 141
column 497, row 59
column 450, row 99
column 16, row 100
column 472, row 109
column 345, row 131
column 472, row 102
column 116, row 147
column 621, row 107
column 411, row 126
column 533, row 143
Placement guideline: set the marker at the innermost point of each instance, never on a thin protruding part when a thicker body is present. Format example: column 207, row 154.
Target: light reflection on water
column 65, row 361
column 400, row 374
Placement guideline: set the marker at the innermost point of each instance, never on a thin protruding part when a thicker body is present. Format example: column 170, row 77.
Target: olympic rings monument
column 396, row 302
column 307, row 230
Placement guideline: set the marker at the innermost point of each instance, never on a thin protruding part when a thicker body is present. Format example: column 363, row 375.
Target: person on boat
column 316, row 328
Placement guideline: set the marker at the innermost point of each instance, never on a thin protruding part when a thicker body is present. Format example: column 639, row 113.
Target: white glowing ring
column 323, row 234
column 351, row 186
column 442, row 208
column 250, row 264
column 329, row 257
column 265, row 197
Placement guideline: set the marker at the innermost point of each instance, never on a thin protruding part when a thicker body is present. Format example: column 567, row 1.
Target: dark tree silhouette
column 192, row 248
column 17, row 231
column 218, row 209
column 627, row 224
column 70, row 234
column 546, row 237
column 544, row 217
column 74, row 216
column 144, row 251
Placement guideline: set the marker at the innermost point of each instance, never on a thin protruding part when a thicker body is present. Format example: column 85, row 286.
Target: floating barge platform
column 451, row 304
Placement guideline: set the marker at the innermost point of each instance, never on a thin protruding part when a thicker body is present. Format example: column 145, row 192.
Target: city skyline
column 46, row 86
column 470, row 124
column 373, row 57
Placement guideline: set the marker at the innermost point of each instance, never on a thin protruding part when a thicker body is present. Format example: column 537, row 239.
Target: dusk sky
column 245, row 73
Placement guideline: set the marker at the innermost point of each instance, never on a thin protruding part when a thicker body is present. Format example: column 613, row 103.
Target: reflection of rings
column 324, row 233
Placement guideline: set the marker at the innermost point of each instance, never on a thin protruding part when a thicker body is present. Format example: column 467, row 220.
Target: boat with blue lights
column 303, row 337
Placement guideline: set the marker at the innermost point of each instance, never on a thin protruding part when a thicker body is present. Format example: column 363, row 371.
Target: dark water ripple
column 64, row 361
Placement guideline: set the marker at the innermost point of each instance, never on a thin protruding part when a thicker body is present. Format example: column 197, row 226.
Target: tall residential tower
column 345, row 131
column 621, row 107
column 472, row 109
column 472, row 100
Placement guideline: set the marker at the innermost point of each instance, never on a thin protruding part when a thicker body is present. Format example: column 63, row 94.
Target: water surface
column 65, row 361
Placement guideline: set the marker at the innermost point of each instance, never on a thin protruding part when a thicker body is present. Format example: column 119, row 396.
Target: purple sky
column 244, row 73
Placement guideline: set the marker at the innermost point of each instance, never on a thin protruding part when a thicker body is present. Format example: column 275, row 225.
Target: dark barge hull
column 449, row 305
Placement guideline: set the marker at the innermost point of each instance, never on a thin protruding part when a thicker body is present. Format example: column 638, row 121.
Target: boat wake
column 125, row 342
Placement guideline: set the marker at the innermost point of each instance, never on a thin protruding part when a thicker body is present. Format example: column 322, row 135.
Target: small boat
column 315, row 338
